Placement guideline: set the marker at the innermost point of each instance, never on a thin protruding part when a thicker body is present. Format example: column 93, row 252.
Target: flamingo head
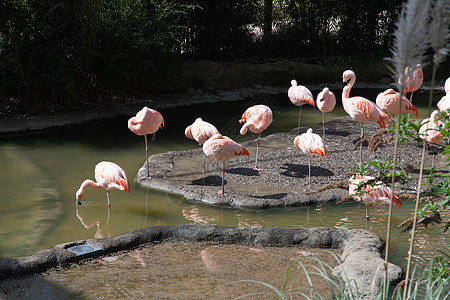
column 79, row 195
column 243, row 118
column 294, row 82
column 323, row 94
column 447, row 86
column 435, row 115
column 348, row 75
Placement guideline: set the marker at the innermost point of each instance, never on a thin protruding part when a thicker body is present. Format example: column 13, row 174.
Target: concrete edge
column 358, row 245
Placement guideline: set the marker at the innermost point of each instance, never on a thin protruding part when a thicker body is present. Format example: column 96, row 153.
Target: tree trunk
column 267, row 27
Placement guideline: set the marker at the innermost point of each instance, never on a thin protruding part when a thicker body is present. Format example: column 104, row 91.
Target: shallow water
column 180, row 271
column 41, row 174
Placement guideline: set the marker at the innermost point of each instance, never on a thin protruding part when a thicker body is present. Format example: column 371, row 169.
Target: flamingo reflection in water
column 99, row 233
column 191, row 213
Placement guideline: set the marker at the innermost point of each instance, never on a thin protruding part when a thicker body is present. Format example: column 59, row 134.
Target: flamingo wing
column 256, row 118
column 300, row 95
column 188, row 132
column 378, row 193
column 204, row 131
column 146, row 121
column 310, row 144
column 110, row 176
column 223, row 148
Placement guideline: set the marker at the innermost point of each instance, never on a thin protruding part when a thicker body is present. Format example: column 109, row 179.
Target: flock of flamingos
column 257, row 118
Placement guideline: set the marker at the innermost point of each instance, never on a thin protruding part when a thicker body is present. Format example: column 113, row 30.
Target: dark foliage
column 62, row 53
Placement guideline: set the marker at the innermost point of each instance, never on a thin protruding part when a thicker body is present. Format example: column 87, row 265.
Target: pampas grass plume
column 438, row 32
column 410, row 40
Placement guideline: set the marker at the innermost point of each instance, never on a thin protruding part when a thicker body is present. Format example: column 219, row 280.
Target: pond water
column 41, row 173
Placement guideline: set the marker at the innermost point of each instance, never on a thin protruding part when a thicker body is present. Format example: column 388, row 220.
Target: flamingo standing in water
column 299, row 96
column 256, row 119
column 364, row 189
column 413, row 81
column 310, row 144
column 108, row 176
column 360, row 109
column 146, row 121
column 389, row 102
column 201, row 131
column 444, row 103
column 325, row 103
column 222, row 148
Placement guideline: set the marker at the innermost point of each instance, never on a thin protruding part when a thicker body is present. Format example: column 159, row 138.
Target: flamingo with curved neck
column 359, row 108
column 108, row 176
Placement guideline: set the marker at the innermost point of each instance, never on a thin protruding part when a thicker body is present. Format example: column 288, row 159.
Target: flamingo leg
column 146, row 156
column 361, row 142
column 223, row 175
column 323, row 125
column 300, row 116
column 204, row 163
column 107, row 197
column 309, row 172
column 257, row 148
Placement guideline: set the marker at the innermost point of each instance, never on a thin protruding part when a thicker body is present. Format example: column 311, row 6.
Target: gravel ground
column 283, row 178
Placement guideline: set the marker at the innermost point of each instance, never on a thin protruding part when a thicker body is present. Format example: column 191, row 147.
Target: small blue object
column 84, row 249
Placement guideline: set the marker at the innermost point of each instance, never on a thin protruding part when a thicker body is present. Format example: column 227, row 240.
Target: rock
column 283, row 178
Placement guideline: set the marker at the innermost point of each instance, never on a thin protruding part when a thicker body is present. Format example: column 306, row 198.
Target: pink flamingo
column 201, row 131
column 108, row 176
column 310, row 144
column 299, row 96
column 444, row 103
column 360, row 109
column 364, row 189
column 146, row 121
column 389, row 102
column 222, row 148
column 256, row 119
column 325, row 103
column 429, row 130
column 413, row 81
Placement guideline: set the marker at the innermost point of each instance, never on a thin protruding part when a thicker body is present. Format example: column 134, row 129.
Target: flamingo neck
column 347, row 88
column 84, row 184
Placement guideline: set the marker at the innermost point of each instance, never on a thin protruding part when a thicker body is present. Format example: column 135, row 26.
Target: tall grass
column 426, row 285
column 408, row 51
